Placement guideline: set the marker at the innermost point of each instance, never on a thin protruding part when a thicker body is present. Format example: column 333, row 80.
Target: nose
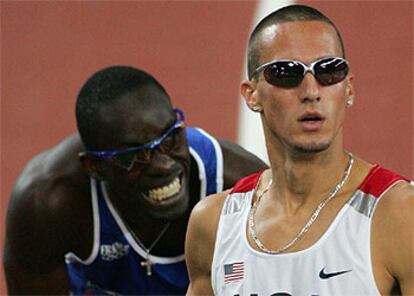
column 160, row 162
column 309, row 89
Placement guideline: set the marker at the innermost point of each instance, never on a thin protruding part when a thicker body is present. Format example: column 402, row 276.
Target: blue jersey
column 114, row 265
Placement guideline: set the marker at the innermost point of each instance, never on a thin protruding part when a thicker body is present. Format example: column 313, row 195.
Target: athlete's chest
column 338, row 263
column 314, row 272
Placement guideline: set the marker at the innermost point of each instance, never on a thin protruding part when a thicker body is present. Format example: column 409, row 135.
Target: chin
column 168, row 205
column 311, row 148
column 172, row 211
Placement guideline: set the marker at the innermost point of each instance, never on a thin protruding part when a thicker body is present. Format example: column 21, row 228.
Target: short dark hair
column 289, row 13
column 102, row 88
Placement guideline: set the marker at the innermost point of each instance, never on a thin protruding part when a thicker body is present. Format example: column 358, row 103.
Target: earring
column 255, row 108
column 349, row 102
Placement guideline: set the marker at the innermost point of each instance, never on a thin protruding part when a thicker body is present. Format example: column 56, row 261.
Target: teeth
column 166, row 191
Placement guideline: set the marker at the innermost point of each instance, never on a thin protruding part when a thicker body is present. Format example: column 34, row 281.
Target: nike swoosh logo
column 324, row 275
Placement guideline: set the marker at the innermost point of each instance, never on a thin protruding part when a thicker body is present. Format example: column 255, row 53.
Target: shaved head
column 104, row 88
column 267, row 26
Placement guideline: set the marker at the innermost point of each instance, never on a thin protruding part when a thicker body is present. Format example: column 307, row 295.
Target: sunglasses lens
column 331, row 71
column 126, row 159
column 284, row 74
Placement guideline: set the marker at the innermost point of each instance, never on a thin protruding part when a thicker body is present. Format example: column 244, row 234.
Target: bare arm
column 31, row 246
column 47, row 216
column 200, row 240
column 393, row 241
column 238, row 163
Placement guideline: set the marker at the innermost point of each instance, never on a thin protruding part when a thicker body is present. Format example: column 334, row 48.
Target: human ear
column 349, row 90
column 248, row 91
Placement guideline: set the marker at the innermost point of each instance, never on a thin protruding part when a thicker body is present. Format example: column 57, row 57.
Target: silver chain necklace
column 308, row 224
column 147, row 263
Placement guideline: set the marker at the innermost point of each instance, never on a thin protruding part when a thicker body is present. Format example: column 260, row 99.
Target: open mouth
column 165, row 192
column 310, row 118
column 311, row 121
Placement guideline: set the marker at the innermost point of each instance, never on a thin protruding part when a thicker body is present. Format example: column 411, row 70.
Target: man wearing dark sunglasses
column 106, row 212
column 319, row 221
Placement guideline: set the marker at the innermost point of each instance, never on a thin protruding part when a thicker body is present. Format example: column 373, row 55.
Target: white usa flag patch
column 233, row 272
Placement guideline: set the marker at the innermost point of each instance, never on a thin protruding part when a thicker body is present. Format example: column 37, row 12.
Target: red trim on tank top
column 247, row 183
column 375, row 183
column 378, row 180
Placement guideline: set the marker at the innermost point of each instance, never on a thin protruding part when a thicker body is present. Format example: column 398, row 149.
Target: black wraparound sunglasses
column 290, row 73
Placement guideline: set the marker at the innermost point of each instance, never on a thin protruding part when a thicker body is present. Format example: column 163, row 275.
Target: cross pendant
column 147, row 263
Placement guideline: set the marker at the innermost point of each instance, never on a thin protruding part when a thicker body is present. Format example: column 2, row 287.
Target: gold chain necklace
column 147, row 263
column 308, row 224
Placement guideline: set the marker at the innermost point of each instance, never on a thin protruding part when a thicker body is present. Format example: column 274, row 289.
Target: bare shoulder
column 396, row 210
column 397, row 204
column 44, row 207
column 203, row 223
column 393, row 237
column 49, row 179
column 200, row 241
column 204, row 220
column 238, row 162
column 208, row 209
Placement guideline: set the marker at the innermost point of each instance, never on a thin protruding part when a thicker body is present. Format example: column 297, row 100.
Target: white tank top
column 339, row 263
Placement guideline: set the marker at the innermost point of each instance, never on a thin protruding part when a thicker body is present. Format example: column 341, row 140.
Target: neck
column 133, row 214
column 299, row 180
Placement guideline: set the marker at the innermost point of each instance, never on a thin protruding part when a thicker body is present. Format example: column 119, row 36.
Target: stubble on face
column 311, row 147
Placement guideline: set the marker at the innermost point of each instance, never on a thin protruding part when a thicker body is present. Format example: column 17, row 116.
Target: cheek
column 335, row 96
column 337, row 108
column 279, row 108
column 181, row 148
column 182, row 154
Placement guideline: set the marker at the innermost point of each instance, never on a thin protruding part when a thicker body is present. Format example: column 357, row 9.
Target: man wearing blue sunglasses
column 106, row 211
